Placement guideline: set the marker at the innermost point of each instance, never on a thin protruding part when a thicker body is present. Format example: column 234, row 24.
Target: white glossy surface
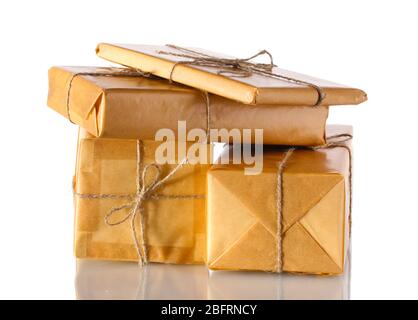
column 125, row 280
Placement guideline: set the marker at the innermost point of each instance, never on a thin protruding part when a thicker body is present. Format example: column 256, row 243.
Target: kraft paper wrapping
column 253, row 89
column 137, row 107
column 174, row 228
column 242, row 213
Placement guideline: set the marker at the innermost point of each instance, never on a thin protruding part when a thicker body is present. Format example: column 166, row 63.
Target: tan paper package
column 135, row 107
column 238, row 79
column 170, row 220
column 309, row 202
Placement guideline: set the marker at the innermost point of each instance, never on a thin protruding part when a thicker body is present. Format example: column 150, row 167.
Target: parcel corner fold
column 137, row 107
column 110, row 104
column 242, row 213
column 174, row 222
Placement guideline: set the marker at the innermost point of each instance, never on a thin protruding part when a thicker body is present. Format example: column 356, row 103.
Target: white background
column 368, row 44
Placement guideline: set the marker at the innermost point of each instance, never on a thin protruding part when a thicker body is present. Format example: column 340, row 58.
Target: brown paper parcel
column 242, row 213
column 242, row 80
column 174, row 228
column 135, row 107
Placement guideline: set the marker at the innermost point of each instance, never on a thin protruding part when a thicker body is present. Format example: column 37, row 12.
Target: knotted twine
column 143, row 191
column 232, row 67
column 228, row 66
column 334, row 141
column 235, row 67
column 135, row 204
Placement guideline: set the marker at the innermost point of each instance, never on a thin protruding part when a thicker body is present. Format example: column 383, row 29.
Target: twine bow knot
column 145, row 190
column 235, row 67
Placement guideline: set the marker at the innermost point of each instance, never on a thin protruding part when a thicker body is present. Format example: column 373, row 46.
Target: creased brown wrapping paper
column 174, row 228
column 137, row 107
column 252, row 89
column 242, row 214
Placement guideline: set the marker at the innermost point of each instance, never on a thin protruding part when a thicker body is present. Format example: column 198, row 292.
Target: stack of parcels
column 135, row 200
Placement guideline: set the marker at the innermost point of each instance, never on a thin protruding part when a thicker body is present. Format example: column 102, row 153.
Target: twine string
column 143, row 191
column 235, row 67
column 146, row 191
column 338, row 141
column 103, row 72
column 232, row 66
column 279, row 207
column 334, row 141
column 129, row 72
column 135, row 205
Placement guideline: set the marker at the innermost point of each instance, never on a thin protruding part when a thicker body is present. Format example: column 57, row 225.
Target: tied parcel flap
column 136, row 107
column 243, row 219
column 238, row 79
column 174, row 227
